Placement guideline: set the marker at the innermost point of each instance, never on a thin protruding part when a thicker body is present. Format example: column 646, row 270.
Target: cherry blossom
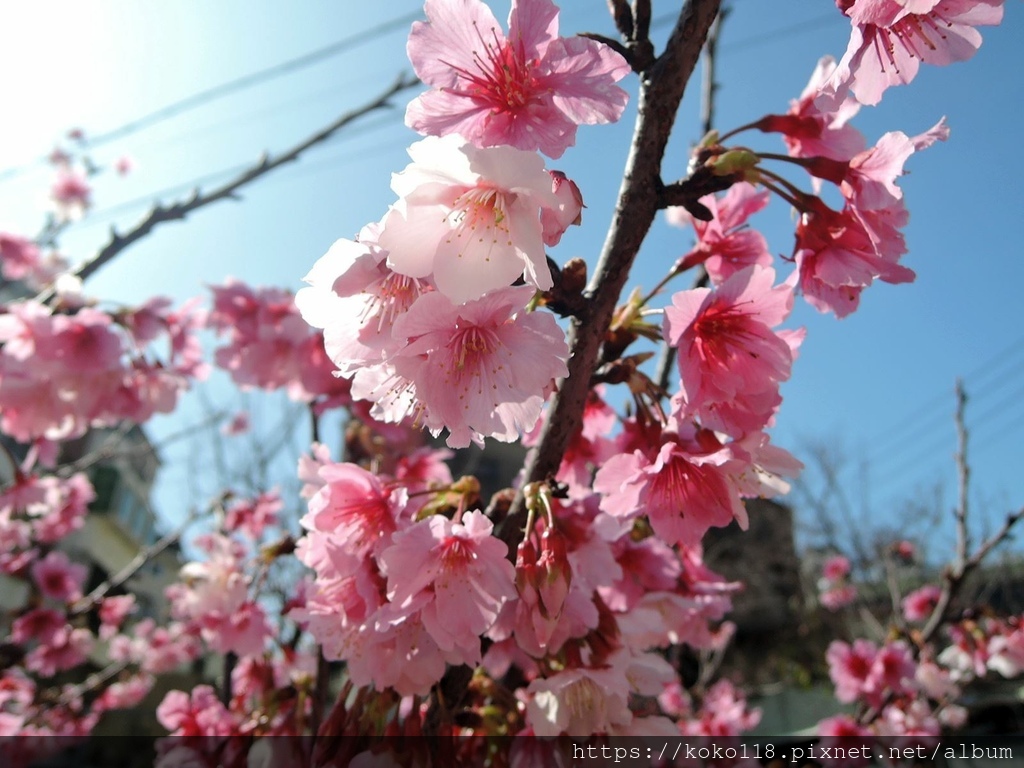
column 356, row 298
column 19, row 256
column 58, row 578
column 481, row 369
column 683, row 488
column 71, row 194
column 454, row 576
column 469, row 217
column 724, row 246
column 731, row 361
column 890, row 40
column 919, row 604
column 840, row 253
column 529, row 90
column 811, row 129
column 252, row 516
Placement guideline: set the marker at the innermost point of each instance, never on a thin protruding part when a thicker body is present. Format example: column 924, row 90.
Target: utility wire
column 225, row 89
column 916, row 459
column 930, row 413
column 102, row 215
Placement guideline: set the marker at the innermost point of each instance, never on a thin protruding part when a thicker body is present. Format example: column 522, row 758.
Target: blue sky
column 878, row 384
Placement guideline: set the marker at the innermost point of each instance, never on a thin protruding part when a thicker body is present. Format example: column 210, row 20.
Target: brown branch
column 955, row 574
column 661, row 90
column 92, row 682
column 707, row 121
column 622, row 15
column 963, row 473
column 642, row 20
column 161, row 214
column 144, row 556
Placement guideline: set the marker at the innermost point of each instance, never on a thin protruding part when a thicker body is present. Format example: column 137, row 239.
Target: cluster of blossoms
column 400, row 591
column 436, row 316
column 270, row 347
column 64, row 372
column 834, row 588
column 420, row 311
column 910, row 696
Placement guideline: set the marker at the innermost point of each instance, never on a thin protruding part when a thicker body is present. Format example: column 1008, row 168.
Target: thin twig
column 228, row 191
column 709, row 88
column 92, row 682
column 956, row 573
column 963, row 473
column 139, row 561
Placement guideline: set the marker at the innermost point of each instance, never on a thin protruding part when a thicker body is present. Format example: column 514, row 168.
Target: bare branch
column 642, row 20
column 955, row 574
column 161, row 214
column 963, row 472
column 139, row 561
column 623, row 17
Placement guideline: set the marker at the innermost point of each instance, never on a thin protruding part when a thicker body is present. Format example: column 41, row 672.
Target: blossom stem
column 735, row 131
column 783, row 188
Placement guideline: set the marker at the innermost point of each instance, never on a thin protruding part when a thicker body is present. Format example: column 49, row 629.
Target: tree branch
column 161, row 214
column 144, row 556
column 962, row 565
column 661, row 90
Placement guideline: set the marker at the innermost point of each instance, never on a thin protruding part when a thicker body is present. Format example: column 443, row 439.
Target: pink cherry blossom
column 40, row 624
column 1006, row 651
column 198, row 714
column 529, row 90
column 579, row 702
column 71, row 194
column 454, row 575
column 891, row 38
column 124, row 165
column 354, row 506
column 817, row 130
column 836, row 568
column 252, row 516
column 843, row 727
column 835, row 597
column 849, row 667
column 58, row 578
column 469, row 217
column 480, row 370
column 67, row 648
column 892, row 671
column 63, row 373
column 569, row 211
column 113, row 611
column 19, row 256
column 731, row 361
column 682, row 488
column 725, row 245
column 270, row 346
column 839, row 254
column 356, row 298
column 723, row 712
column 870, row 180
column 919, row 604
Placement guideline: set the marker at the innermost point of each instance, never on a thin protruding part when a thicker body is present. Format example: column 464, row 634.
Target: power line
column 796, row 28
column 225, row 89
column 897, row 472
column 911, row 425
